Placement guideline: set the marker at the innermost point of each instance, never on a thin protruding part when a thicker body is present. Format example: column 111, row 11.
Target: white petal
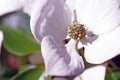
column 58, row 61
column 104, row 48
column 99, row 16
column 71, row 5
column 94, row 73
column 27, row 5
column 7, row 6
column 1, row 39
column 49, row 17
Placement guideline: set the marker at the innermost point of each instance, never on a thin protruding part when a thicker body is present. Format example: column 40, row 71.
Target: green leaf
column 112, row 75
column 32, row 73
column 116, row 74
column 18, row 43
column 25, row 68
column 3, row 78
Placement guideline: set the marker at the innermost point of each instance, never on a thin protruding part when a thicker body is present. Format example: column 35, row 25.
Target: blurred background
column 20, row 56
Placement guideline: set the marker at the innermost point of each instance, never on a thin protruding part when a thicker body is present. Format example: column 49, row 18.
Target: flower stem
column 76, row 46
column 81, row 53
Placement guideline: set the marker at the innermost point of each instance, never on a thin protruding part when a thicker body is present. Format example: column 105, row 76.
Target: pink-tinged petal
column 27, row 5
column 119, row 2
column 58, row 60
column 49, row 17
column 104, row 47
column 7, row 6
column 99, row 16
column 1, row 39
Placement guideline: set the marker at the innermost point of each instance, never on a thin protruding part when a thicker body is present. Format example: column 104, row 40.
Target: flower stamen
column 77, row 31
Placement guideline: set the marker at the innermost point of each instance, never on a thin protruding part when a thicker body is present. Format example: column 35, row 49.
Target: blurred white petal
column 15, row 20
column 58, row 60
column 1, row 39
column 49, row 17
column 36, row 58
column 99, row 16
column 7, row 6
column 94, row 73
column 27, row 5
column 104, row 48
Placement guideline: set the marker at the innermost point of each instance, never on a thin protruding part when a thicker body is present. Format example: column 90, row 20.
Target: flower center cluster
column 77, row 31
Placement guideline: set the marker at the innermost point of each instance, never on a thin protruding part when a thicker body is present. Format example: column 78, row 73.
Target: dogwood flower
column 100, row 18
column 106, row 22
column 59, row 60
column 7, row 6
